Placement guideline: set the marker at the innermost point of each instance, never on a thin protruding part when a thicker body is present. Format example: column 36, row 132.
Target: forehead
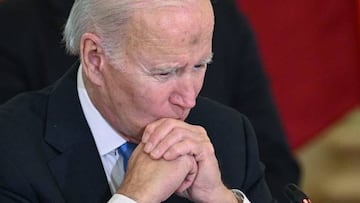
column 171, row 25
column 170, row 32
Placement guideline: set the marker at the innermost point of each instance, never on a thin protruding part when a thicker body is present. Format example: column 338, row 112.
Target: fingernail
column 155, row 153
column 148, row 147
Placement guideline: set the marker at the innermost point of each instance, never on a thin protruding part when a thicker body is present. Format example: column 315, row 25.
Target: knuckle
column 168, row 121
column 209, row 148
column 149, row 128
column 175, row 150
column 201, row 130
column 178, row 133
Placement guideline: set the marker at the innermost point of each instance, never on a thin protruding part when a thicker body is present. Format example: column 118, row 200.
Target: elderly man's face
column 164, row 66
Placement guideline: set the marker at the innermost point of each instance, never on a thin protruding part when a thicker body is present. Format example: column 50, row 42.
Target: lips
column 181, row 116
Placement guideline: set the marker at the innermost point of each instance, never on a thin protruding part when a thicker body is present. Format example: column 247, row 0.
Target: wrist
column 223, row 195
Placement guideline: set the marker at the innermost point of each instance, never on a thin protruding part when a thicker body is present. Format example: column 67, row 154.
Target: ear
column 93, row 60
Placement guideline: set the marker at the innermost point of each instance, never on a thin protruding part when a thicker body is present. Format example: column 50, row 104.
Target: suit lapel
column 77, row 168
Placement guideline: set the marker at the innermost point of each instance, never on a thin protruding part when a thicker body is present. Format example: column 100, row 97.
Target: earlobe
column 92, row 57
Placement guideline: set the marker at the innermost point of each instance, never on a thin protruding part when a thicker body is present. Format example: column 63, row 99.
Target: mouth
column 177, row 116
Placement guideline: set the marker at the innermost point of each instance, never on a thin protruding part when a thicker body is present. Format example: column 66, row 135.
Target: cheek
column 153, row 100
column 199, row 81
column 153, row 97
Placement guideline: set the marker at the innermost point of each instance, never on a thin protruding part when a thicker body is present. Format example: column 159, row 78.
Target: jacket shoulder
column 21, row 116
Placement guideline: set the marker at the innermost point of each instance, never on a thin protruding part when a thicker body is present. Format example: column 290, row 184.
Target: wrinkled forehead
column 188, row 22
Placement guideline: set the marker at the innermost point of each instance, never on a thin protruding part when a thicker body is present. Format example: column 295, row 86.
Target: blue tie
column 126, row 150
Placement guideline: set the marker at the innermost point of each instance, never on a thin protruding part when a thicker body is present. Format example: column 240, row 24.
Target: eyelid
column 204, row 62
column 164, row 73
column 200, row 65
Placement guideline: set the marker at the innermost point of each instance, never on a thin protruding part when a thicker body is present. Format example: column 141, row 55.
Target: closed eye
column 204, row 63
column 164, row 74
column 199, row 66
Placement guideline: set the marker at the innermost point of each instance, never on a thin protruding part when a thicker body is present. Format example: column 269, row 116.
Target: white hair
column 105, row 18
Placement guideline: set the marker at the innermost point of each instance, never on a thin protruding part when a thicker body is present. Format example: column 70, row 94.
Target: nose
column 185, row 93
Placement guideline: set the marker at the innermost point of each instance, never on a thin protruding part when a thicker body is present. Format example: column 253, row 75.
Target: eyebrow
column 208, row 59
column 172, row 66
column 165, row 67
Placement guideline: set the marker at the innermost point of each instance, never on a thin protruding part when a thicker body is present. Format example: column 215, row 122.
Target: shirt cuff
column 118, row 198
column 241, row 195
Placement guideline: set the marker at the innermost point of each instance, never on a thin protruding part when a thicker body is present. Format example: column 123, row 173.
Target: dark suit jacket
column 32, row 57
column 48, row 153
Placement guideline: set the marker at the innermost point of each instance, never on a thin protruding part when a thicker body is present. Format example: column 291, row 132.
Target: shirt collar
column 106, row 138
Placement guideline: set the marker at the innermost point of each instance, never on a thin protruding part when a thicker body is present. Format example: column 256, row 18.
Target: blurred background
column 310, row 50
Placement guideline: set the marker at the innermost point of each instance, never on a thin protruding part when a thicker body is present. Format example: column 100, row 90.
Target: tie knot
column 126, row 150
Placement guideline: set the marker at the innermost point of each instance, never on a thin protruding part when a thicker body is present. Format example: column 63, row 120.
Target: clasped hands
column 174, row 157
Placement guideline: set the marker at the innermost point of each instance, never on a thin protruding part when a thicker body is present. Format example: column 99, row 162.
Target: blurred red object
column 310, row 50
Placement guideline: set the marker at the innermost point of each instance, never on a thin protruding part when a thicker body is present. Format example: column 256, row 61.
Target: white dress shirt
column 107, row 141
